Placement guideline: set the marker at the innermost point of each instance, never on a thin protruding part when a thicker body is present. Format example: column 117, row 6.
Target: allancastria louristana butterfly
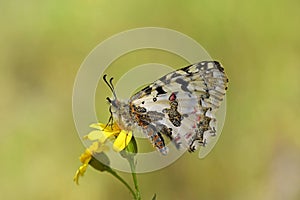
column 180, row 106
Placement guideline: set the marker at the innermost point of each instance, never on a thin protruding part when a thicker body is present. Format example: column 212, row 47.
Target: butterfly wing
column 181, row 106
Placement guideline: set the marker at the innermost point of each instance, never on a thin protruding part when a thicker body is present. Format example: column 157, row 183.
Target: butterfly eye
column 114, row 103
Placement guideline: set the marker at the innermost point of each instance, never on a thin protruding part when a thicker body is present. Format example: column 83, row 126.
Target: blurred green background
column 43, row 43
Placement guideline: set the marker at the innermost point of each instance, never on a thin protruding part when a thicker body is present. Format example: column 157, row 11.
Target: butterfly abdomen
column 156, row 138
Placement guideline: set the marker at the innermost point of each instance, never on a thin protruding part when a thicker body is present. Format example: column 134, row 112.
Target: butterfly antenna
column 110, row 81
column 110, row 85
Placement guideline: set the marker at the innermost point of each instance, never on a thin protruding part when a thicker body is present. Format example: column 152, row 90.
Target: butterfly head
column 119, row 110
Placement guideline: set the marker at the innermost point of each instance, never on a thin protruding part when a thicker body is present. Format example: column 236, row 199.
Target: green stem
column 132, row 167
column 123, row 181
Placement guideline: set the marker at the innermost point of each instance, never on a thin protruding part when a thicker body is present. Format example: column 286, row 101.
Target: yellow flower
column 99, row 136
column 104, row 132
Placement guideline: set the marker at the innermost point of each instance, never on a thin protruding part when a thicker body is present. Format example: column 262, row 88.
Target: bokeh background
column 43, row 43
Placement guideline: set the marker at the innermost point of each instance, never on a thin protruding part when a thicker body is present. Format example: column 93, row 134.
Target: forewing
column 181, row 105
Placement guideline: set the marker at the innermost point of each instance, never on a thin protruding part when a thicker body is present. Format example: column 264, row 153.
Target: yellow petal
column 94, row 135
column 110, row 133
column 98, row 147
column 80, row 172
column 101, row 136
column 86, row 157
column 122, row 140
column 105, row 127
column 93, row 148
column 102, row 148
column 97, row 126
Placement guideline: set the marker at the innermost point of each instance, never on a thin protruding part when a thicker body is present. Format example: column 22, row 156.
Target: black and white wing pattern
column 181, row 106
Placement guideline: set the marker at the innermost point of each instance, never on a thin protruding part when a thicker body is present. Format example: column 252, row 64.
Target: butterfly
column 180, row 106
